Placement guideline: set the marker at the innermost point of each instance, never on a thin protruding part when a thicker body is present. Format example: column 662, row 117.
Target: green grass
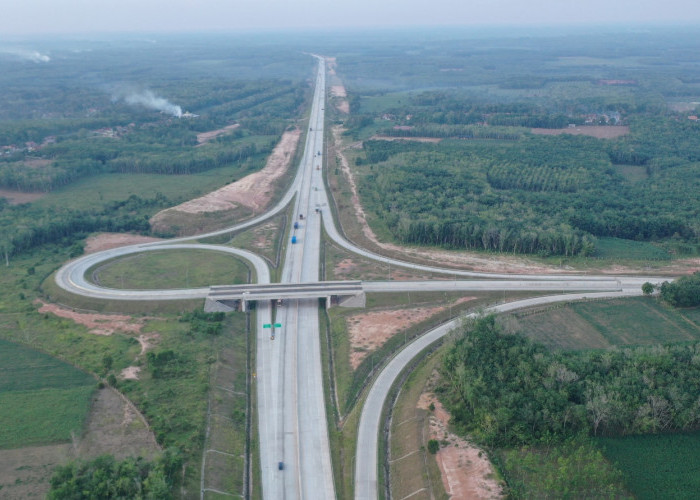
column 171, row 269
column 384, row 102
column 42, row 399
column 657, row 466
column 42, row 416
column 616, row 248
column 602, row 324
column 24, row 369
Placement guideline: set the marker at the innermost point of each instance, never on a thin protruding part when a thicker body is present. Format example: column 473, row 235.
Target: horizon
column 77, row 17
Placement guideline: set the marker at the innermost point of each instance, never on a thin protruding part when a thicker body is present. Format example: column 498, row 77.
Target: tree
column 648, row 288
column 433, row 446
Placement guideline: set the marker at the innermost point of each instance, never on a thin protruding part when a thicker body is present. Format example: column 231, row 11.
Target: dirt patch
column 433, row 140
column 254, row 191
column 465, row 469
column 18, row 197
column 98, row 324
column 338, row 91
column 130, row 373
column 25, row 472
column 107, row 241
column 599, row 132
column 116, row 427
column 147, row 341
column 369, row 331
column 204, row 137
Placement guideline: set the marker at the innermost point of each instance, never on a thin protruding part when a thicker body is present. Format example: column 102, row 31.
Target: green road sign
column 278, row 325
column 267, row 325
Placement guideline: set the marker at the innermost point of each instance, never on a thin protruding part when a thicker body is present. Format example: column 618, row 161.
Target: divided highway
column 294, row 447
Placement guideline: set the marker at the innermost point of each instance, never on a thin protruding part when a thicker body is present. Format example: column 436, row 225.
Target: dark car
column 280, row 466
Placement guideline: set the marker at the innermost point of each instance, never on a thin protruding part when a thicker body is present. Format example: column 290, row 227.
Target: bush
column 433, row 446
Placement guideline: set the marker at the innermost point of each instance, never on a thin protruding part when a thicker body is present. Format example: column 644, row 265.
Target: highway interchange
column 292, row 426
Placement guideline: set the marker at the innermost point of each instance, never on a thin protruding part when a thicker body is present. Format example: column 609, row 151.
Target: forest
column 506, row 390
column 95, row 110
column 488, row 180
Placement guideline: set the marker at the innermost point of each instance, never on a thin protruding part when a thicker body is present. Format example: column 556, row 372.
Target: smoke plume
column 26, row 54
column 149, row 100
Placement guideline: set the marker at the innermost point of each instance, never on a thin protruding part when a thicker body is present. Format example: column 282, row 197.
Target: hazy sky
column 89, row 16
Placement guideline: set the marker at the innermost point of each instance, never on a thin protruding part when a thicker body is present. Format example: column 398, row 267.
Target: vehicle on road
column 301, row 216
column 280, row 466
column 294, row 239
column 296, row 225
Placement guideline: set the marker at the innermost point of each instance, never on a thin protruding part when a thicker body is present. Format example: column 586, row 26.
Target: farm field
column 657, row 466
column 598, row 325
column 171, row 269
column 42, row 399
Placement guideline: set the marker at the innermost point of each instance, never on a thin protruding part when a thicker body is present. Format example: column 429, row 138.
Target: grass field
column 602, row 324
column 658, row 466
column 171, row 269
column 615, row 248
column 42, row 400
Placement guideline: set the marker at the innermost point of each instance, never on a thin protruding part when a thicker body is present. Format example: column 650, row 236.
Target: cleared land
column 599, row 132
column 171, row 269
column 204, row 137
column 254, row 191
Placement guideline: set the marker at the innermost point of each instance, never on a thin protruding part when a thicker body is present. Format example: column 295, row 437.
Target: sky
column 44, row 17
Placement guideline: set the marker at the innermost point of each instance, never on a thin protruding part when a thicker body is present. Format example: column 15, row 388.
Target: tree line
column 506, row 390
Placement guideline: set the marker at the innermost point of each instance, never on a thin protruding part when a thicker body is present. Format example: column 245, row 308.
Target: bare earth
column 18, row 197
column 434, row 140
column 253, row 191
column 466, row 471
column 106, row 241
column 368, row 331
column 204, row 137
column 597, row 131
column 98, row 324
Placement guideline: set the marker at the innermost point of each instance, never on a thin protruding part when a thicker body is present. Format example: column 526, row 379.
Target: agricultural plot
column 597, row 325
column 42, row 400
column 657, row 466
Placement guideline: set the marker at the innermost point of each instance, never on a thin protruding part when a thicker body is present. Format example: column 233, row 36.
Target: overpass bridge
column 230, row 297
column 352, row 293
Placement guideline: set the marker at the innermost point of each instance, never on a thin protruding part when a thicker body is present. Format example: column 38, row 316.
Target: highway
column 305, row 449
column 292, row 424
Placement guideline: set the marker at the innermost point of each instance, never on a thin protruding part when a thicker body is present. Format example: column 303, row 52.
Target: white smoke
column 27, row 55
column 149, row 100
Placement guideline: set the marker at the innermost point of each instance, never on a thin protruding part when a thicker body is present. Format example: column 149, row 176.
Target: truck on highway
column 294, row 239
